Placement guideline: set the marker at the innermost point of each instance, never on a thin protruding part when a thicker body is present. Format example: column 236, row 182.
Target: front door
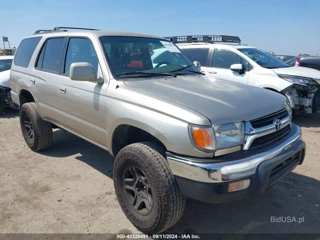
column 83, row 103
column 220, row 66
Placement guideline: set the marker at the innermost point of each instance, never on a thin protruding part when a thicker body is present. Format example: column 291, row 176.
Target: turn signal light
column 239, row 185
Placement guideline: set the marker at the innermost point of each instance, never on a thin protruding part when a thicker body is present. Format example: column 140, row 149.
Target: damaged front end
column 303, row 94
column 5, row 100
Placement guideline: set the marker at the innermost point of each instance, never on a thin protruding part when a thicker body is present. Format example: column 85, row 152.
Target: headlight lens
column 219, row 137
column 203, row 137
column 229, row 135
column 317, row 80
column 287, row 105
column 296, row 79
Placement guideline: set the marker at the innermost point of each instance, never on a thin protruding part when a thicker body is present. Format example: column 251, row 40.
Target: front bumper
column 209, row 182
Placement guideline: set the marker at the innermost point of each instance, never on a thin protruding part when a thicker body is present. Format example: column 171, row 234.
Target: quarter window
column 225, row 58
column 80, row 50
column 197, row 54
column 25, row 51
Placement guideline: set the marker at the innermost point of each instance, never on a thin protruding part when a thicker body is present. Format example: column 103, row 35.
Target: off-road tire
column 168, row 201
column 42, row 129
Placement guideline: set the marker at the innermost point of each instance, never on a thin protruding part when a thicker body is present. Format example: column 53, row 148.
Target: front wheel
column 146, row 189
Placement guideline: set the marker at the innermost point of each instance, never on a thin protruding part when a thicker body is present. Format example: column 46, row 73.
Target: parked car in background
column 174, row 132
column 284, row 58
column 292, row 61
column 5, row 97
column 309, row 62
column 227, row 59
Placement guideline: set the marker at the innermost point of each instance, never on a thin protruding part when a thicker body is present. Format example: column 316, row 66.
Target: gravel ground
column 69, row 189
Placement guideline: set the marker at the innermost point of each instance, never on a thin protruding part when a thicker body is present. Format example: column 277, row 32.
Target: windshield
column 143, row 57
column 5, row 64
column 264, row 59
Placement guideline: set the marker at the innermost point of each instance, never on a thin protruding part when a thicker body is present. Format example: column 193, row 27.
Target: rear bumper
column 209, row 182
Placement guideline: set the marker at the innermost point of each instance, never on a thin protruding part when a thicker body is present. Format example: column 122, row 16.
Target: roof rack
column 63, row 29
column 74, row 28
column 204, row 38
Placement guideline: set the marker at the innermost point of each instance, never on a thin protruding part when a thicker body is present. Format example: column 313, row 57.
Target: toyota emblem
column 277, row 124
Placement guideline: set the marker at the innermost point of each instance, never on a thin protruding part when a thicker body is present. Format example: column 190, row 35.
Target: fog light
column 239, row 185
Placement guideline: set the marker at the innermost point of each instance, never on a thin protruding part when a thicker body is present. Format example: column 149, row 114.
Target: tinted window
column 5, row 64
column 40, row 57
column 52, row 57
column 197, row 54
column 80, row 50
column 224, row 59
column 25, row 51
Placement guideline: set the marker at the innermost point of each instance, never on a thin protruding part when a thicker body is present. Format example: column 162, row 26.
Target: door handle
column 212, row 72
column 32, row 81
column 62, row 90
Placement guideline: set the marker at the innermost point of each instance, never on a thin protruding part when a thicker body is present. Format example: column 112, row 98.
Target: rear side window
column 25, row 51
column 197, row 54
column 50, row 57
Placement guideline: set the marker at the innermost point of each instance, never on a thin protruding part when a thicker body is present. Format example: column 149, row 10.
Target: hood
column 220, row 101
column 299, row 71
column 4, row 78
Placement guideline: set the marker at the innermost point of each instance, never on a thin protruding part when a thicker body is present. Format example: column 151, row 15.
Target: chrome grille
column 267, row 120
column 266, row 130
column 270, row 138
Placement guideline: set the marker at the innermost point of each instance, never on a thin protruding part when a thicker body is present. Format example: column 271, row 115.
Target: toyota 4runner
column 174, row 132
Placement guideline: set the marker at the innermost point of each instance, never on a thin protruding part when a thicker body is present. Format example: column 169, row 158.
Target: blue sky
column 281, row 26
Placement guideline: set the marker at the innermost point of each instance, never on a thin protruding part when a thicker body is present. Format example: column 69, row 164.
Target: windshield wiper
column 145, row 73
column 185, row 68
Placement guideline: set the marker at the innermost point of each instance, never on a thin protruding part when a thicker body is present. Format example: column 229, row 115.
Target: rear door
column 46, row 77
column 221, row 61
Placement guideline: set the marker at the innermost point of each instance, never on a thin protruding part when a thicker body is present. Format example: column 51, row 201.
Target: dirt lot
column 69, row 189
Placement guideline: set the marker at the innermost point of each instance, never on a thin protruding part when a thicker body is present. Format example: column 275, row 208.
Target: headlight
column 297, row 79
column 287, row 105
column 219, row 137
column 317, row 80
column 229, row 135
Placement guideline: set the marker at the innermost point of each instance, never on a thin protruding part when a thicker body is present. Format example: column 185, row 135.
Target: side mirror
column 197, row 64
column 83, row 71
column 236, row 67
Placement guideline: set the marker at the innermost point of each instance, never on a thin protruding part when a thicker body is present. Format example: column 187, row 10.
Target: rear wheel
column 146, row 189
column 37, row 133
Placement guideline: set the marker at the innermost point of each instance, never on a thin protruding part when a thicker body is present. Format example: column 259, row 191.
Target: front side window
column 5, row 64
column 262, row 58
column 142, row 57
column 224, row 59
column 197, row 54
column 80, row 50
column 50, row 57
column 25, row 51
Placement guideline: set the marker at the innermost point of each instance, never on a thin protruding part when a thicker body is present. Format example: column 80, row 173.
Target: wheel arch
column 25, row 96
column 126, row 132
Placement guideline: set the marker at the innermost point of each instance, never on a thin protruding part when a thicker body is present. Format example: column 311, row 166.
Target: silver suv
column 174, row 132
